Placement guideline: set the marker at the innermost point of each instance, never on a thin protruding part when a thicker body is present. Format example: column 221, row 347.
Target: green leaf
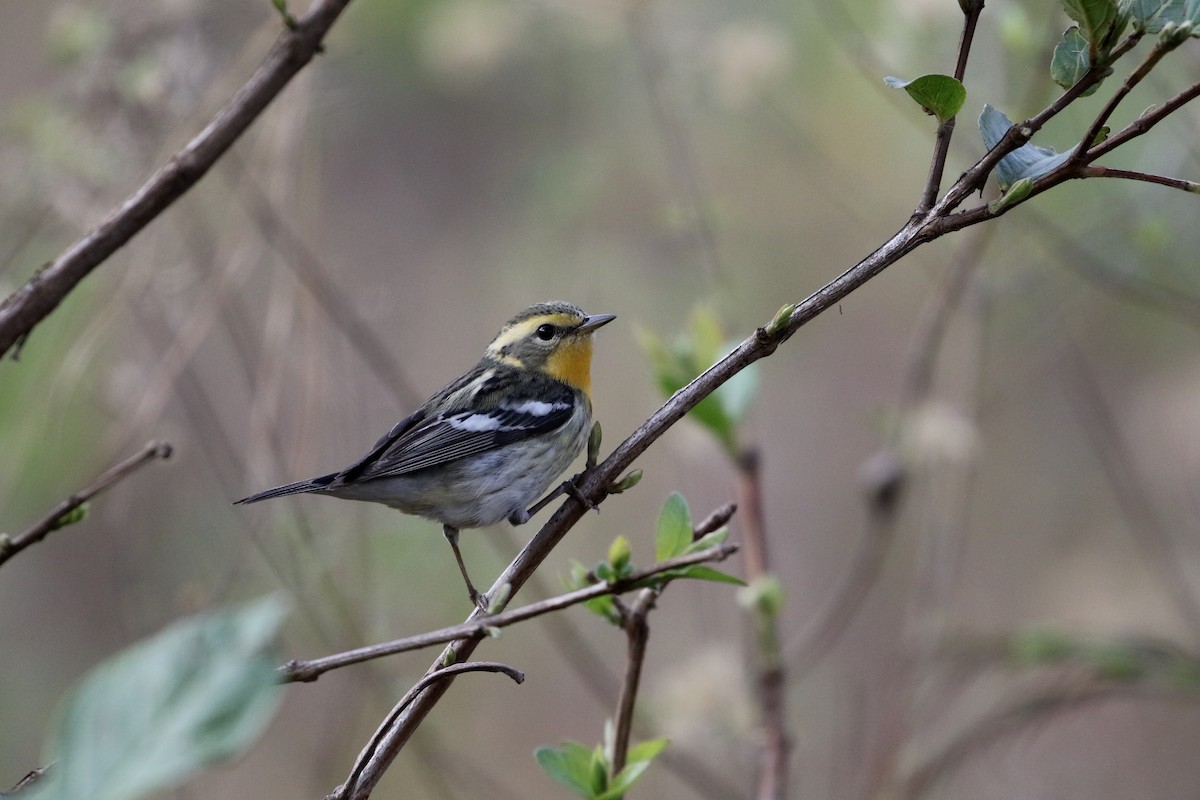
column 701, row 572
column 599, row 773
column 1151, row 15
column 708, row 540
column 674, row 528
column 1027, row 161
column 1101, row 22
column 702, row 345
column 570, row 765
column 146, row 719
column 940, row 95
column 1071, row 60
column 604, row 606
column 1015, row 194
column 637, row 761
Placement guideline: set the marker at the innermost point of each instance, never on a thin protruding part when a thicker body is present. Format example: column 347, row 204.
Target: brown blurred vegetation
column 446, row 163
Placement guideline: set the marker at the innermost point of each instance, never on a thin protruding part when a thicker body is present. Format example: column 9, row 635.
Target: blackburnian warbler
column 487, row 445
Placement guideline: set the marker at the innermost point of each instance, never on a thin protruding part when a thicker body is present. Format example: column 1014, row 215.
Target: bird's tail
column 299, row 487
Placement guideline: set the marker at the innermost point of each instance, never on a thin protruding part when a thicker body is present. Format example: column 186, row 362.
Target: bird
column 484, row 447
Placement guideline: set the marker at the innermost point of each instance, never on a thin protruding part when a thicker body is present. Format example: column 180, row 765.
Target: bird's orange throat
column 572, row 363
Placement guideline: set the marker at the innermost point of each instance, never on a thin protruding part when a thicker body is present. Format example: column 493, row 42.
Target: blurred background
column 447, row 162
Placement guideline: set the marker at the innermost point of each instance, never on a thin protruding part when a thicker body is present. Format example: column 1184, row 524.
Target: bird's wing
column 456, row 433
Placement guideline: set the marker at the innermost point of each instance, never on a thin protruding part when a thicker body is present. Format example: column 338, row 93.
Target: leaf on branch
column 570, row 765
column 146, row 719
column 1015, row 194
column 1152, row 15
column 1101, row 24
column 1071, row 60
column 674, row 533
column 1027, row 161
column 940, row 95
column 637, row 761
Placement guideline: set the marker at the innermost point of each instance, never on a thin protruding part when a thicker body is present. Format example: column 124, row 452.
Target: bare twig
column 1095, row 171
column 361, row 779
column 49, row 523
column 479, row 626
column 1145, row 122
column 637, row 633
column 42, row 293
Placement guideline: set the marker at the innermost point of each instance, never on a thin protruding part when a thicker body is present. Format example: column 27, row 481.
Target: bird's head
column 555, row 338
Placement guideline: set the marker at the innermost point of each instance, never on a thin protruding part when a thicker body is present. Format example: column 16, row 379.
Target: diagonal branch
column 53, row 520
column 41, row 294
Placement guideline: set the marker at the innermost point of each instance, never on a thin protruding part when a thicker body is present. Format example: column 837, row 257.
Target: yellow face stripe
column 525, row 328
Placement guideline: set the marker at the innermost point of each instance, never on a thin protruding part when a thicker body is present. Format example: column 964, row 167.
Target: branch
column 1145, row 122
column 42, row 293
column 481, row 626
column 51, row 522
column 1094, row 171
column 361, row 780
column 945, row 130
column 637, row 633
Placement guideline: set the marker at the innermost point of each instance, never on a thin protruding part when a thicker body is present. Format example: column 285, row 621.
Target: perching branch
column 42, row 293
column 52, row 521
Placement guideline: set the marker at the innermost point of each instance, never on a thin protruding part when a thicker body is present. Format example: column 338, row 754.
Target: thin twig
column 43, row 292
column 361, row 780
column 1139, row 73
column 479, row 626
column 772, row 684
column 1145, row 122
column 637, row 634
column 1095, row 171
column 50, row 523
column 945, row 129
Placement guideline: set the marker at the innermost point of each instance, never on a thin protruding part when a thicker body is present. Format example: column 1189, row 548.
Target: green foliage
column 673, row 537
column 1015, row 194
column 200, row 691
column 1071, row 60
column 940, row 95
column 674, row 532
column 1101, row 24
column 1117, row 660
column 75, row 515
column 1027, row 161
column 696, row 350
column 585, row 771
column 1152, row 16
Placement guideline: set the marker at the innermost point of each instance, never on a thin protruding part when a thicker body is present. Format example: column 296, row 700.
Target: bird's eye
column 546, row 332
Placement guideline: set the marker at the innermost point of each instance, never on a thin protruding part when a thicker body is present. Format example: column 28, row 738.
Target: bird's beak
column 593, row 321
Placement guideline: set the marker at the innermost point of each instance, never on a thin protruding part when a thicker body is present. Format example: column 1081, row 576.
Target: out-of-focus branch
column 776, row 746
column 53, row 520
column 297, row 44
